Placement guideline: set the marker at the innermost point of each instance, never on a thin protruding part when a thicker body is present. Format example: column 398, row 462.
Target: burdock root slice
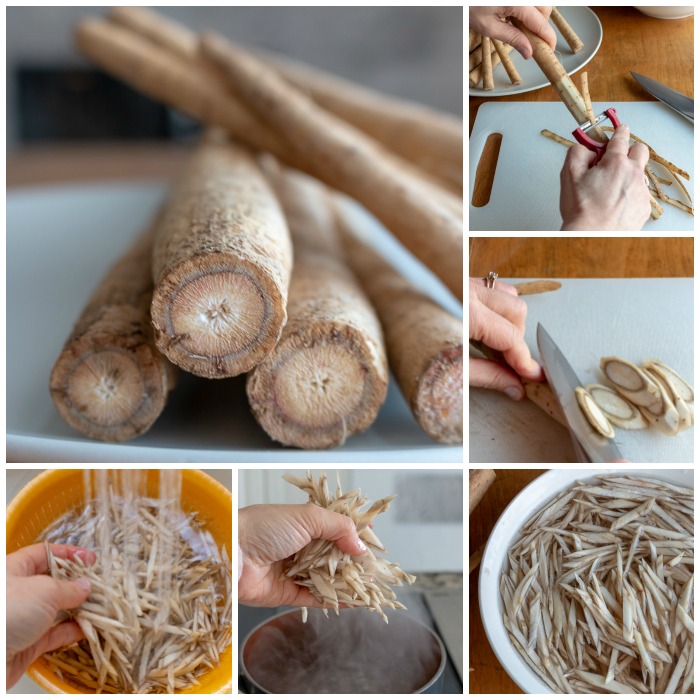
column 617, row 409
column 632, row 382
column 327, row 377
column 596, row 417
column 110, row 382
column 221, row 265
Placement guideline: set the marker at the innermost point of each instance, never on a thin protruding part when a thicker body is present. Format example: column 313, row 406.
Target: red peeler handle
column 595, row 146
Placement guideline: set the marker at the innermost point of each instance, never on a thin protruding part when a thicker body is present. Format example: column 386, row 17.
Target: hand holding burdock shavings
column 269, row 534
column 337, row 579
column 33, row 603
column 324, row 546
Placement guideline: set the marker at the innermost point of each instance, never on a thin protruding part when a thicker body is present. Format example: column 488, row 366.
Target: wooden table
column 81, row 162
column 660, row 49
column 488, row 675
column 581, row 257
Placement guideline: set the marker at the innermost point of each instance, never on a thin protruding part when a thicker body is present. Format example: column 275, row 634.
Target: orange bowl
column 56, row 491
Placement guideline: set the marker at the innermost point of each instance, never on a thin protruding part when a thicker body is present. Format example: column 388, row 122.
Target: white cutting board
column 635, row 319
column 525, row 193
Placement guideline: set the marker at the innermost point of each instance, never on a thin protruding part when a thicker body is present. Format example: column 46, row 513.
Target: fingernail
column 361, row 545
column 513, row 393
column 84, row 584
column 80, row 554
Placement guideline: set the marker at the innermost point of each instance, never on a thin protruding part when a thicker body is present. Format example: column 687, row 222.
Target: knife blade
column 563, row 380
column 677, row 101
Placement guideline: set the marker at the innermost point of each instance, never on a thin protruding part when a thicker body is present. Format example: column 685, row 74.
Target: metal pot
column 355, row 652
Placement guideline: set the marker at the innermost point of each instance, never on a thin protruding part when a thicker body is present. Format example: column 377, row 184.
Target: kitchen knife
column 675, row 100
column 590, row 445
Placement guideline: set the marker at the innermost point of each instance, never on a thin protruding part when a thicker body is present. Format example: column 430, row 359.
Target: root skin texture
column 110, row 382
column 221, row 265
column 328, row 375
column 424, row 342
column 348, row 160
column 167, row 73
column 426, row 137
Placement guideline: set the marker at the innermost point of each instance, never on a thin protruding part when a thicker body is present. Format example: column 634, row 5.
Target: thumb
column 337, row 528
column 508, row 34
column 66, row 595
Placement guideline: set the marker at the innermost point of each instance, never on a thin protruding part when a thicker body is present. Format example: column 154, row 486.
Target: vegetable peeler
column 582, row 137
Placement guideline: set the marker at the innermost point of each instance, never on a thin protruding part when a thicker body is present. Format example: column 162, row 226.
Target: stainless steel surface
column 563, row 380
column 414, row 600
column 446, row 608
column 355, row 652
column 677, row 101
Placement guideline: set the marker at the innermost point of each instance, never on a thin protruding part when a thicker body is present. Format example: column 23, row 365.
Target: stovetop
column 444, row 606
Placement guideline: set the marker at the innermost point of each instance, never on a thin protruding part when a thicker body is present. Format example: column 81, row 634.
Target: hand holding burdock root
column 33, row 602
column 268, row 534
column 490, row 22
column 612, row 195
column 497, row 319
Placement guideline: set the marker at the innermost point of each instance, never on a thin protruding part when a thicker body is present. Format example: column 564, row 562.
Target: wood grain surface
column 581, row 257
column 488, row 676
column 80, row 162
column 660, row 49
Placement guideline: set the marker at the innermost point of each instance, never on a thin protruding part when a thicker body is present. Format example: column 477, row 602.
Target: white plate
column 584, row 22
column 664, row 12
column 505, row 533
column 60, row 241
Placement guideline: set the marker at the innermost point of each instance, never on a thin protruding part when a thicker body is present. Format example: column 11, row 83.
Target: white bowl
column 506, row 532
column 666, row 12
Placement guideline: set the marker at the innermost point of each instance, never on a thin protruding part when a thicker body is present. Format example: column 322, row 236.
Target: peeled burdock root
column 221, row 265
column 595, row 416
column 110, row 382
column 327, row 377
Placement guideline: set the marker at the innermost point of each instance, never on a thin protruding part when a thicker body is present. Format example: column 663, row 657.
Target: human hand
column 34, row 600
column 497, row 318
column 610, row 196
column 489, row 21
column 268, row 534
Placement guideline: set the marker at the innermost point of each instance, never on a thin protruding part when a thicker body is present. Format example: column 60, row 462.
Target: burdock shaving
column 335, row 577
column 159, row 614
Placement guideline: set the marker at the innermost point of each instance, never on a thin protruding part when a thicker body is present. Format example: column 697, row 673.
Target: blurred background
column 55, row 95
